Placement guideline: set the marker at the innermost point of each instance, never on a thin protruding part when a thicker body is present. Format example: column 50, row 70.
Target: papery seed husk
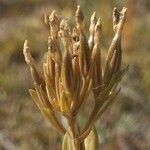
column 91, row 29
column 73, row 70
column 79, row 18
column 84, row 55
column 115, row 45
column 54, row 24
column 65, row 36
column 30, row 61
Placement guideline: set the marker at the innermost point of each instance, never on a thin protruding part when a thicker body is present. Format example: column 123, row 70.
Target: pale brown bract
column 72, row 71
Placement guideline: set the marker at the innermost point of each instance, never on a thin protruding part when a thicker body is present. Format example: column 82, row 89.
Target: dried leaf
column 47, row 113
column 91, row 142
column 67, row 143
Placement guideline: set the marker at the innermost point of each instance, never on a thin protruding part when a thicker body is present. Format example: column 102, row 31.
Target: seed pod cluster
column 73, row 70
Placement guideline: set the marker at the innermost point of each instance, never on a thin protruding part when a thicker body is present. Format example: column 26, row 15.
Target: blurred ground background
column 125, row 126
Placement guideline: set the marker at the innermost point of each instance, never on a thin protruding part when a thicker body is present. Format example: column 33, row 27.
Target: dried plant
column 73, row 70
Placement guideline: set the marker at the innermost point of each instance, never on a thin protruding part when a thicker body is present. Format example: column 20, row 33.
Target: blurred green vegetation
column 126, row 125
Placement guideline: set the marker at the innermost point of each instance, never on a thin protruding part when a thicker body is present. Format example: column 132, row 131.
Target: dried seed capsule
column 75, row 57
column 116, row 15
column 66, row 69
column 118, row 20
column 96, row 59
column 54, row 24
column 30, row 61
column 79, row 18
column 65, row 36
column 84, row 55
column 91, row 30
column 97, row 70
column 98, row 31
column 118, row 24
column 84, row 51
column 28, row 57
column 71, row 76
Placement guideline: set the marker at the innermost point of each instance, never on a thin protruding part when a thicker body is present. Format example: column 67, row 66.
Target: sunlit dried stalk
column 73, row 70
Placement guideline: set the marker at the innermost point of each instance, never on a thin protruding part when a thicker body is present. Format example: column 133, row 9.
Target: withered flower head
column 74, row 70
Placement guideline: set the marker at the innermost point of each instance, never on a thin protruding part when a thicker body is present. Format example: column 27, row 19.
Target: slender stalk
column 75, row 131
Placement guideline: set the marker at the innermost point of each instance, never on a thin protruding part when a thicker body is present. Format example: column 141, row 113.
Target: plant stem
column 75, row 131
